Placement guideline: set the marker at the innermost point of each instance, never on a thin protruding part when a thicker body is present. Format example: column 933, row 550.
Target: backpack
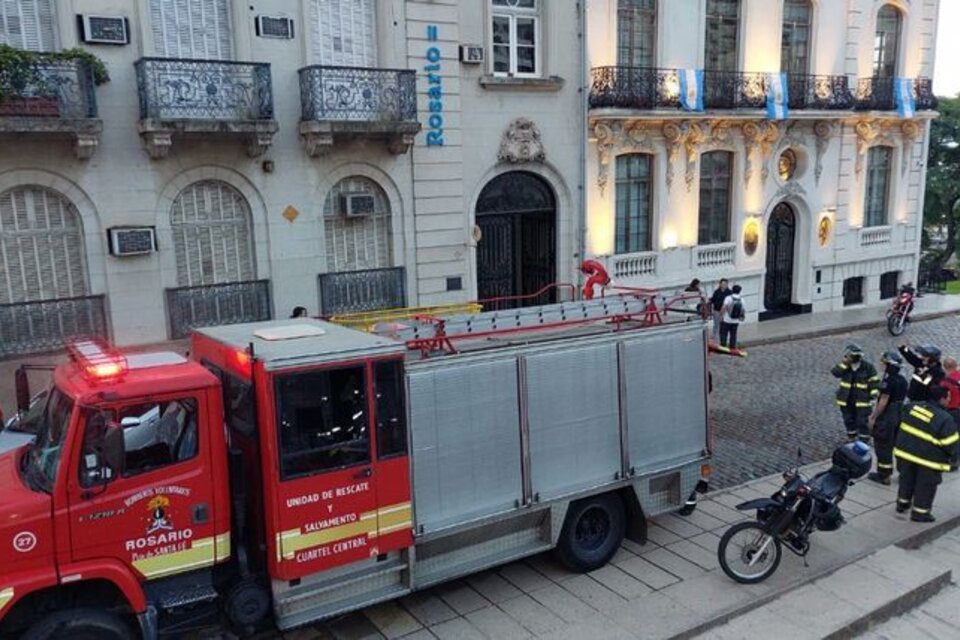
column 736, row 311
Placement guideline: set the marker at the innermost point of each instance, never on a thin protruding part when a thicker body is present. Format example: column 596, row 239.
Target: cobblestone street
column 781, row 397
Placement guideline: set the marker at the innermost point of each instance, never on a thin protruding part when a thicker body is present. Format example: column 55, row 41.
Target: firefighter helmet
column 929, row 351
column 853, row 350
column 892, row 359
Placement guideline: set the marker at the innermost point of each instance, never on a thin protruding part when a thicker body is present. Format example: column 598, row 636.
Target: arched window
column 28, row 24
column 716, row 170
column 357, row 226
column 795, row 41
column 723, row 35
column 886, row 43
column 41, row 247
column 212, row 235
column 634, row 202
column 191, row 29
column 636, row 33
column 877, row 203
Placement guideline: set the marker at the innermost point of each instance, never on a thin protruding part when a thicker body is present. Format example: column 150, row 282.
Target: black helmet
column 853, row 350
column 892, row 359
column 929, row 351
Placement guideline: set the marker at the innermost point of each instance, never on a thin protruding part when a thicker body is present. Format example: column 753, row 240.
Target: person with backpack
column 734, row 313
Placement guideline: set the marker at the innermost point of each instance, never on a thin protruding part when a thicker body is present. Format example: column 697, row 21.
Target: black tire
column 894, row 324
column 592, row 532
column 771, row 557
column 80, row 624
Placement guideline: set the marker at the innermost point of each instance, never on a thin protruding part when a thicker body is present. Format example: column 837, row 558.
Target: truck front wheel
column 80, row 624
column 592, row 532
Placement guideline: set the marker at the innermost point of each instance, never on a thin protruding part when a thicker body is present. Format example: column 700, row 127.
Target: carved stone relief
column 614, row 137
column 824, row 130
column 910, row 130
column 763, row 136
column 521, row 143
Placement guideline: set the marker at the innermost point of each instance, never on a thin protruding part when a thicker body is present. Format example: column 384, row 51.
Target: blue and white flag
column 903, row 94
column 778, row 97
column 691, row 89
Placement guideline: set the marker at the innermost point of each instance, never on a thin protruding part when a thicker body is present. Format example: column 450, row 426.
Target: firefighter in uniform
column 927, row 445
column 858, row 388
column 927, row 370
column 885, row 419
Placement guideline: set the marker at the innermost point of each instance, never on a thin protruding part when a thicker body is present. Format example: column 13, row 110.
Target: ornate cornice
column 615, row 136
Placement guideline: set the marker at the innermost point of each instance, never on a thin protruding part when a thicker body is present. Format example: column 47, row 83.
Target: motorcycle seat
column 830, row 484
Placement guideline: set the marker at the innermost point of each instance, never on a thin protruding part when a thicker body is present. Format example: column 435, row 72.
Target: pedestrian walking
column 927, row 445
column 734, row 313
column 952, row 384
column 885, row 418
column 927, row 370
column 299, row 312
column 716, row 307
column 694, row 287
column 858, row 387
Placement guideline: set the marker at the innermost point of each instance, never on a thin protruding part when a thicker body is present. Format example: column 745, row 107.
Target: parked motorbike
column 899, row 314
column 750, row 551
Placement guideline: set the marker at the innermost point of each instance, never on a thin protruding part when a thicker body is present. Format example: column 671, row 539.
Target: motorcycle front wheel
column 896, row 323
column 748, row 554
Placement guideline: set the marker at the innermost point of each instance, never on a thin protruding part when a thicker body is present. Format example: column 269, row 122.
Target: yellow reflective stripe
column 881, row 465
column 294, row 540
column 842, row 403
column 950, row 439
column 909, row 457
column 862, row 385
column 922, row 410
column 923, row 381
column 843, row 366
column 875, row 392
column 222, row 543
column 5, row 597
column 919, row 510
column 200, row 554
column 844, row 385
column 863, row 404
column 918, row 433
column 921, row 417
column 874, row 379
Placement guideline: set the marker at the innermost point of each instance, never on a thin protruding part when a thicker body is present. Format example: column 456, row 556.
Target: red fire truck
column 293, row 470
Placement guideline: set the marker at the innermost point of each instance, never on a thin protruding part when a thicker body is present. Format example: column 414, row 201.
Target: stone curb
column 860, row 326
column 899, row 605
column 929, row 534
column 918, row 539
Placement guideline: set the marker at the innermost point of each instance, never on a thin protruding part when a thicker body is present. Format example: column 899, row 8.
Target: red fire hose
column 597, row 276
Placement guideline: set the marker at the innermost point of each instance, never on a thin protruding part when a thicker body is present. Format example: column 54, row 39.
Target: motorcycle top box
column 854, row 458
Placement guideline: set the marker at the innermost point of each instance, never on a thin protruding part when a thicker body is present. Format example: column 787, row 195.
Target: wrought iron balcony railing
column 826, row 93
column 734, row 90
column 217, row 304
column 174, row 89
column 358, row 291
column 46, row 325
column 634, row 88
column 878, row 94
column 352, row 94
column 53, row 89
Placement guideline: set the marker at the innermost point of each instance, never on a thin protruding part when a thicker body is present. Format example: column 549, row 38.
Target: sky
column 946, row 80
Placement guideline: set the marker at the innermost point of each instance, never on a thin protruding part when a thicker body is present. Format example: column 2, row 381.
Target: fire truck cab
column 297, row 469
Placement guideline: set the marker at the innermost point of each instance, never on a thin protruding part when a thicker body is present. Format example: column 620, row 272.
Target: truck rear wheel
column 592, row 532
column 80, row 624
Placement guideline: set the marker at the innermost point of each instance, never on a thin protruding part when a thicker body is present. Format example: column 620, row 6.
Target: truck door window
column 391, row 414
column 238, row 405
column 162, row 434
column 322, row 421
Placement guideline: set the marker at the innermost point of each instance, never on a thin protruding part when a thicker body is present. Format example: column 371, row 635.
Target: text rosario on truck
column 294, row 470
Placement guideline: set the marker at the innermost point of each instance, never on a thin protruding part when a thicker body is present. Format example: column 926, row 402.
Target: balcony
column 871, row 237
column 634, row 88
column 877, row 94
column 54, row 98
column 360, row 291
column 714, row 256
column 632, row 265
column 215, row 305
column 826, row 93
column 734, row 90
column 46, row 325
column 189, row 97
column 343, row 103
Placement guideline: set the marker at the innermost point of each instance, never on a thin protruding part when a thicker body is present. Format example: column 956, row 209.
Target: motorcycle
column 750, row 551
column 899, row 314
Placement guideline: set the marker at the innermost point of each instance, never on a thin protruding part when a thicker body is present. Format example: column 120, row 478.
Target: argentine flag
column 778, row 97
column 691, row 89
column 903, row 94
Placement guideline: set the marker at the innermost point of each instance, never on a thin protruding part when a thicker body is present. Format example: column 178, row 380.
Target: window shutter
column 192, row 29
column 28, row 24
column 344, row 33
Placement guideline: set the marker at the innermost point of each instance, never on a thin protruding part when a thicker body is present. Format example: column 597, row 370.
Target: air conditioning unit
column 275, row 27
column 471, row 54
column 356, row 205
column 104, row 29
column 132, row 241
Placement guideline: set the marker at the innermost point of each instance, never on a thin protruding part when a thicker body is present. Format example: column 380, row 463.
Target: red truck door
column 157, row 513
column 337, row 491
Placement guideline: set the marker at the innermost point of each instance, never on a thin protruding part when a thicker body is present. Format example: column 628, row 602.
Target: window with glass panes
column 636, row 33
column 886, row 43
column 722, row 37
column 878, row 187
column 795, row 41
column 516, row 37
column 716, row 168
column 634, row 203
column 28, row 24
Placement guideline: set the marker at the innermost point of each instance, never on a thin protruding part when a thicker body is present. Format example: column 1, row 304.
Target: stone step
column 842, row 604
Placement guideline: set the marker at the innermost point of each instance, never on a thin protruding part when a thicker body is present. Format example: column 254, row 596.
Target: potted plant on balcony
column 26, row 91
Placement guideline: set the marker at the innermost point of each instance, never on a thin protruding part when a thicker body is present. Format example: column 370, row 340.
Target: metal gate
column 516, row 254
column 781, row 231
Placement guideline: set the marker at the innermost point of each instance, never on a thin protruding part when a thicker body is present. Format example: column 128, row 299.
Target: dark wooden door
column 781, row 233
column 516, row 254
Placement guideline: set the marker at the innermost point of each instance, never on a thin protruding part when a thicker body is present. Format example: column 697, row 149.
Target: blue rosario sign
column 434, row 90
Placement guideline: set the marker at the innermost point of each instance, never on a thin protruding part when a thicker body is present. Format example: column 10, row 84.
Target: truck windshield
column 43, row 458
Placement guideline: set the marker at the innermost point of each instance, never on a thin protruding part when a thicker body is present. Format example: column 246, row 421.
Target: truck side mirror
column 22, row 384
column 114, row 450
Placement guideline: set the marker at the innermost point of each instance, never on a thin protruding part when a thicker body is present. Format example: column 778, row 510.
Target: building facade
column 765, row 142
column 341, row 155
